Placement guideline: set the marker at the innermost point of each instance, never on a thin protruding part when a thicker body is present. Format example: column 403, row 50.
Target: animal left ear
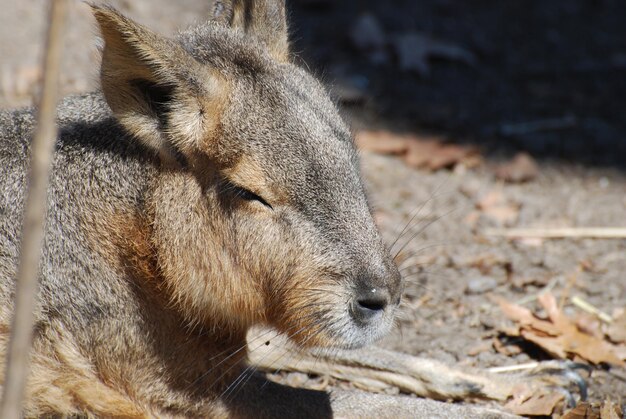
column 157, row 91
column 263, row 19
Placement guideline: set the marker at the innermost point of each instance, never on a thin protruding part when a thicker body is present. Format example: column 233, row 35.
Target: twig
column 560, row 233
column 513, row 368
column 26, row 287
column 584, row 305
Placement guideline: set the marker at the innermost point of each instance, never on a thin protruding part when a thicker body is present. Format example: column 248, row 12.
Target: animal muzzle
column 375, row 296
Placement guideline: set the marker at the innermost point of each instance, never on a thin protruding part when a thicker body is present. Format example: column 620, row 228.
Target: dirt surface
column 529, row 62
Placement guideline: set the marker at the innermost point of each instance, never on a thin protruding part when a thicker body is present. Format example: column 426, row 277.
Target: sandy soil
column 452, row 268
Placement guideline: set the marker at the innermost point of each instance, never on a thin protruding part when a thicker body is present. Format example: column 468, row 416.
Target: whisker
column 295, row 353
column 419, row 209
column 420, row 250
column 422, row 229
column 245, row 369
column 249, row 371
column 290, row 336
column 242, row 347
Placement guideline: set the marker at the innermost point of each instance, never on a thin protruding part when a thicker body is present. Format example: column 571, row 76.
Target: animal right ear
column 262, row 19
column 157, row 90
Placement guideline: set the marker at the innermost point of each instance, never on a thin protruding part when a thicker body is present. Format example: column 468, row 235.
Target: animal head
column 259, row 211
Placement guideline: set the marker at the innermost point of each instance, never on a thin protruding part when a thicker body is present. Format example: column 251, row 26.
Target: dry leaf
column 589, row 324
column 506, row 348
column 515, row 312
column 610, row 410
column 535, row 404
column 414, row 52
column 583, row 410
column 521, row 169
column 429, row 153
column 495, row 206
column 586, row 410
column 559, row 336
column 617, row 330
column 434, row 155
column 420, row 152
column 382, row 142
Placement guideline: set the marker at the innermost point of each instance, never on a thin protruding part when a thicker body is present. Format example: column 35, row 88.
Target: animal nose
column 369, row 303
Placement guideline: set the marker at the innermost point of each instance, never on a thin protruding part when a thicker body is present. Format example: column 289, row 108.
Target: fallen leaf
column 521, row 169
column 534, row 404
column 435, row 155
column 589, row 324
column 610, row 410
column 382, row 142
column 429, row 153
column 586, row 410
column 617, row 330
column 506, row 348
column 583, row 410
column 415, row 50
column 498, row 208
column 515, row 312
column 559, row 336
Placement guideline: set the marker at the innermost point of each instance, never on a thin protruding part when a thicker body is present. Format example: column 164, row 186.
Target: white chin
column 354, row 336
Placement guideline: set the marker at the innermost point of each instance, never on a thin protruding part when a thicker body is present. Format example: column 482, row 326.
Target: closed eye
column 246, row 195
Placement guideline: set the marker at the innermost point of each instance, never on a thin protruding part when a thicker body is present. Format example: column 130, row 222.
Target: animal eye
column 246, row 195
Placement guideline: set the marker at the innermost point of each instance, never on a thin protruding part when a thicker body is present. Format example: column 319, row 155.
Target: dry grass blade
column 560, row 233
column 32, row 231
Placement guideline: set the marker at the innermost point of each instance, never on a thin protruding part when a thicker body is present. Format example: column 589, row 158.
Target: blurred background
column 548, row 77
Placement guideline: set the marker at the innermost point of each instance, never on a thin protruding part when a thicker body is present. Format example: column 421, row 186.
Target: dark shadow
column 260, row 398
column 547, row 77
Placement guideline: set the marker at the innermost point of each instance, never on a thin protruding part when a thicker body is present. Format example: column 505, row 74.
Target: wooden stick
column 560, row 233
column 26, row 287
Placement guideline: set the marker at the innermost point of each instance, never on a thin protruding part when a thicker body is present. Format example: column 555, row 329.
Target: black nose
column 369, row 303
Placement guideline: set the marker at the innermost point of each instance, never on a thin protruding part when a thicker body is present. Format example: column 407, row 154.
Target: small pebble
column 481, row 284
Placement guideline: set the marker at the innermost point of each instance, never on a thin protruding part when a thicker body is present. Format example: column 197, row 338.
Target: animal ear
column 263, row 19
column 157, row 90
